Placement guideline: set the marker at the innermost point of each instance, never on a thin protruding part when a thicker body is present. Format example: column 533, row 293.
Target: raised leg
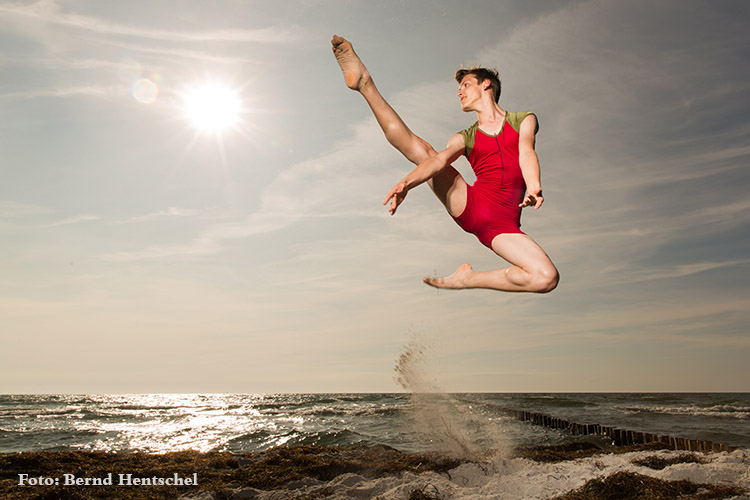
column 531, row 269
column 356, row 76
column 448, row 185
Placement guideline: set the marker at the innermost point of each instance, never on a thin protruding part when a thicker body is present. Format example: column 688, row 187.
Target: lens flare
column 145, row 91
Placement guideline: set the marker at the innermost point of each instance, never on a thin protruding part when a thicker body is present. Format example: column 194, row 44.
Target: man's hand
column 396, row 196
column 534, row 199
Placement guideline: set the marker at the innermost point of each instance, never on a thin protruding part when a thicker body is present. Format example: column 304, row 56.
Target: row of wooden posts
column 620, row 437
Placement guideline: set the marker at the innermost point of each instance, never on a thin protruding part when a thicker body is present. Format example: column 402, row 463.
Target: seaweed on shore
column 217, row 472
column 659, row 463
column 281, row 468
column 278, row 466
column 579, row 449
column 423, row 494
column 631, row 486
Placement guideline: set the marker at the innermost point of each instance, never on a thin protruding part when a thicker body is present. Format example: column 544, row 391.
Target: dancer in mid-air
column 500, row 149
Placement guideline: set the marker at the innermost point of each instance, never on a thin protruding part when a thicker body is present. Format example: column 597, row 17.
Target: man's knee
column 414, row 148
column 421, row 150
column 545, row 280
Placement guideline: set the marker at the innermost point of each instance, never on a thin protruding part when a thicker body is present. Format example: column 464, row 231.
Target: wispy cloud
column 162, row 214
column 49, row 11
column 726, row 211
column 14, row 209
column 679, row 271
column 76, row 219
column 171, row 53
column 71, row 91
column 211, row 241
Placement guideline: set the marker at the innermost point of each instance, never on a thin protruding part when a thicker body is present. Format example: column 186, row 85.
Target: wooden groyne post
column 619, row 437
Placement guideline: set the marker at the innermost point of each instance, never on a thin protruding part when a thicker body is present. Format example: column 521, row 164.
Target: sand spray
column 454, row 427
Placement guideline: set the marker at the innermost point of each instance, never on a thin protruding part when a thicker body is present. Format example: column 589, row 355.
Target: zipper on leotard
column 500, row 153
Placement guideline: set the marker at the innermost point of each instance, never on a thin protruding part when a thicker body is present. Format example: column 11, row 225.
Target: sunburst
column 212, row 107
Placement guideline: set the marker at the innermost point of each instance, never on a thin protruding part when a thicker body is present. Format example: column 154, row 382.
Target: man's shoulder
column 471, row 129
column 468, row 135
column 515, row 118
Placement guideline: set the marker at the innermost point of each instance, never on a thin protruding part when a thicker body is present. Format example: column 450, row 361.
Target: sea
column 239, row 423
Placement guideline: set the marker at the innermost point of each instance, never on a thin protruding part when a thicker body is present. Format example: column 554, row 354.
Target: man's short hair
column 482, row 74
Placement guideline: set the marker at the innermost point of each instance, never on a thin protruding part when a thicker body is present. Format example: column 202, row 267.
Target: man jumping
column 500, row 149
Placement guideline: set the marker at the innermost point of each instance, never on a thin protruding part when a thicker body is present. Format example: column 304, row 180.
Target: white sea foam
column 726, row 411
column 518, row 479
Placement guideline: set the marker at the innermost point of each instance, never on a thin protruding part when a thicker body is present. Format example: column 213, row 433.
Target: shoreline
column 314, row 471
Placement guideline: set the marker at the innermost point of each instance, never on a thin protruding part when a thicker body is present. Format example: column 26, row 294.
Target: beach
column 563, row 472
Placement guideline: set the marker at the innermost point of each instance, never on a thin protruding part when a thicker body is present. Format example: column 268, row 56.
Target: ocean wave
column 19, row 440
column 379, row 412
column 340, row 437
column 263, row 439
column 555, row 401
column 728, row 411
column 127, row 408
column 349, row 411
column 260, row 440
column 61, row 412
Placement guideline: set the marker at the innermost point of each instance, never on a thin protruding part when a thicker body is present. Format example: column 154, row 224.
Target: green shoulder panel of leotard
column 468, row 135
column 514, row 120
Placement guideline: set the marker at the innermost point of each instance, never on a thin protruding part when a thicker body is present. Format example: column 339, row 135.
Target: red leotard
column 492, row 203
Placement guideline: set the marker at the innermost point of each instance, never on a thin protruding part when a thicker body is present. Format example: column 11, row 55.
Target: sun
column 212, row 107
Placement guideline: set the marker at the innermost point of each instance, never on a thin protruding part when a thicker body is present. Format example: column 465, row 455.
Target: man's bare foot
column 457, row 280
column 356, row 75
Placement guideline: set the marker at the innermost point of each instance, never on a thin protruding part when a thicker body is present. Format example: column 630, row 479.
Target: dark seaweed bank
column 632, row 486
column 218, row 473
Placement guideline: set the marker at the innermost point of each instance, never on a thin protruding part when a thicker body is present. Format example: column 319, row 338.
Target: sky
column 142, row 254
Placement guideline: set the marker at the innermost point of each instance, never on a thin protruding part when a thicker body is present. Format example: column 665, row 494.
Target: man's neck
column 490, row 115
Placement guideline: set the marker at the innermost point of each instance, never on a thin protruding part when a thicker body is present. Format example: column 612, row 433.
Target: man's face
column 469, row 92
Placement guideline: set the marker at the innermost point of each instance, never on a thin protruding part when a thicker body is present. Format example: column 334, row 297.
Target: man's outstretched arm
column 425, row 171
column 529, row 162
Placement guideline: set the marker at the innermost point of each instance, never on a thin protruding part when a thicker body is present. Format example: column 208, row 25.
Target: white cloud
column 161, row 214
column 170, row 54
column 75, row 90
column 48, row 11
column 12, row 209
column 75, row 220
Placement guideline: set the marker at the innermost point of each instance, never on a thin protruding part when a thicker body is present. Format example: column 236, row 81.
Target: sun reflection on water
column 160, row 423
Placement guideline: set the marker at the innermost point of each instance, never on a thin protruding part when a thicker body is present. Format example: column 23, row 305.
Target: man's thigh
column 522, row 251
column 450, row 188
